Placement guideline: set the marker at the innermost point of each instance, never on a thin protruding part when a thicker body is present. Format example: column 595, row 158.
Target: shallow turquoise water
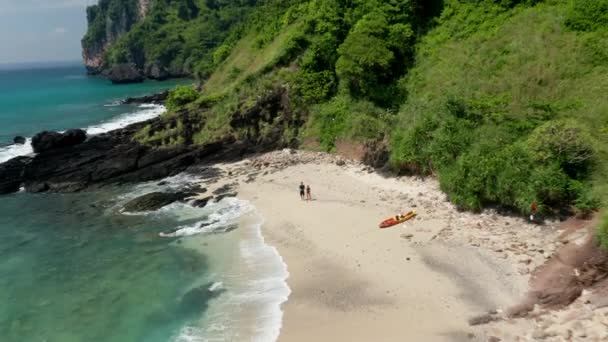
column 74, row 269
column 61, row 98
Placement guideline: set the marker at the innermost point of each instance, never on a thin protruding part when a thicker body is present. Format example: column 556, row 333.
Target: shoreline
column 421, row 280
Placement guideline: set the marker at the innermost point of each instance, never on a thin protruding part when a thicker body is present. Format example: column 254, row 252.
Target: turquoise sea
column 75, row 267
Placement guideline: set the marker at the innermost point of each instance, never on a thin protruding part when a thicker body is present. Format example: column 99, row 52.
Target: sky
column 41, row 30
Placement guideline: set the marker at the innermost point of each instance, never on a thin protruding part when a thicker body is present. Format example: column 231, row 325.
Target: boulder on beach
column 154, row 201
column 124, row 73
column 19, row 140
column 47, row 141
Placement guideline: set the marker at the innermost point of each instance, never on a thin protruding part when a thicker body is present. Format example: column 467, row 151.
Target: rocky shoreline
column 73, row 161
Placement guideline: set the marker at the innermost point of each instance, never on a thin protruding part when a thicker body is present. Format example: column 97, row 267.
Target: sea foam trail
column 255, row 288
column 250, row 274
column 145, row 112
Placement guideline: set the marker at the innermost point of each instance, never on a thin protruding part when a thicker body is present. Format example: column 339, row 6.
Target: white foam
column 271, row 290
column 223, row 215
column 218, row 285
column 146, row 112
column 257, row 285
column 12, row 151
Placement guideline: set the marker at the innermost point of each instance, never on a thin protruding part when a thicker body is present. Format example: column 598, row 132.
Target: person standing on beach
column 308, row 196
column 302, row 187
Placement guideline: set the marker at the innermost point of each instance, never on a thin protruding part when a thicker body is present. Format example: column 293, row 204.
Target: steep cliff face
column 107, row 22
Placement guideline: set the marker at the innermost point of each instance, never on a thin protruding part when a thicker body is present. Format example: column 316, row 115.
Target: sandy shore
column 350, row 281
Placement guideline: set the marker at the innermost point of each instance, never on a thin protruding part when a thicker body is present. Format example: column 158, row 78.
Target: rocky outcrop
column 107, row 22
column 47, row 141
column 159, row 98
column 108, row 158
column 154, row 201
column 124, row 73
column 19, row 140
column 11, row 174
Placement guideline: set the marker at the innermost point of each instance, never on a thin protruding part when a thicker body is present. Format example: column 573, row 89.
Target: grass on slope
column 248, row 59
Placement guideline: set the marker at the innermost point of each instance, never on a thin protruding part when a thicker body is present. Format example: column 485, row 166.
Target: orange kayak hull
column 393, row 221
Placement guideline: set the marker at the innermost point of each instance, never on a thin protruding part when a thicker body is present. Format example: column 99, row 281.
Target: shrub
column 587, row 15
column 181, row 96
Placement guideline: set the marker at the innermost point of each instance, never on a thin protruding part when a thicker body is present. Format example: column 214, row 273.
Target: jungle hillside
column 504, row 101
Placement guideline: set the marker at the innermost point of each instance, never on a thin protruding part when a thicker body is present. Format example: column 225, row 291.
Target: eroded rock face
column 124, row 15
column 157, row 72
column 47, row 141
column 124, row 73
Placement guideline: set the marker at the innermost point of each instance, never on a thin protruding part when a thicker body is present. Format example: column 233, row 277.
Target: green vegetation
column 503, row 100
column 504, row 105
column 603, row 233
column 180, row 96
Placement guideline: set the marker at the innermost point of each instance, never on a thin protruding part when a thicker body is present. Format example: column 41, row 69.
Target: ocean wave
column 221, row 219
column 255, row 287
column 12, row 151
column 145, row 112
column 251, row 286
column 269, row 291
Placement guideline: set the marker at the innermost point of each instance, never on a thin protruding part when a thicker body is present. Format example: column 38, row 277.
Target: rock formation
column 155, row 200
column 107, row 22
column 47, row 141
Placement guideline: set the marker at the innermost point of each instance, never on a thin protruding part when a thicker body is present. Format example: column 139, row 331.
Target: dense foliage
column 502, row 100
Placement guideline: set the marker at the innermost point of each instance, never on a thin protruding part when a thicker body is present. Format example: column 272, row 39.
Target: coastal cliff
column 107, row 22
column 128, row 41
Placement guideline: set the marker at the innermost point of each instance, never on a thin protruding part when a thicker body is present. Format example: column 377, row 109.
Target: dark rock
column 154, row 201
column 340, row 163
column 11, row 174
column 19, row 140
column 37, row 187
column 201, row 202
column 47, row 141
column 124, row 73
column 223, row 189
column 226, row 195
column 159, row 98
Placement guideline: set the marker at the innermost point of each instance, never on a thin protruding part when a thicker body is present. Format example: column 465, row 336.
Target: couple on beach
column 307, row 188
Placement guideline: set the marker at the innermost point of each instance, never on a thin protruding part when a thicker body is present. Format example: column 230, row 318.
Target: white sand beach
column 422, row 280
